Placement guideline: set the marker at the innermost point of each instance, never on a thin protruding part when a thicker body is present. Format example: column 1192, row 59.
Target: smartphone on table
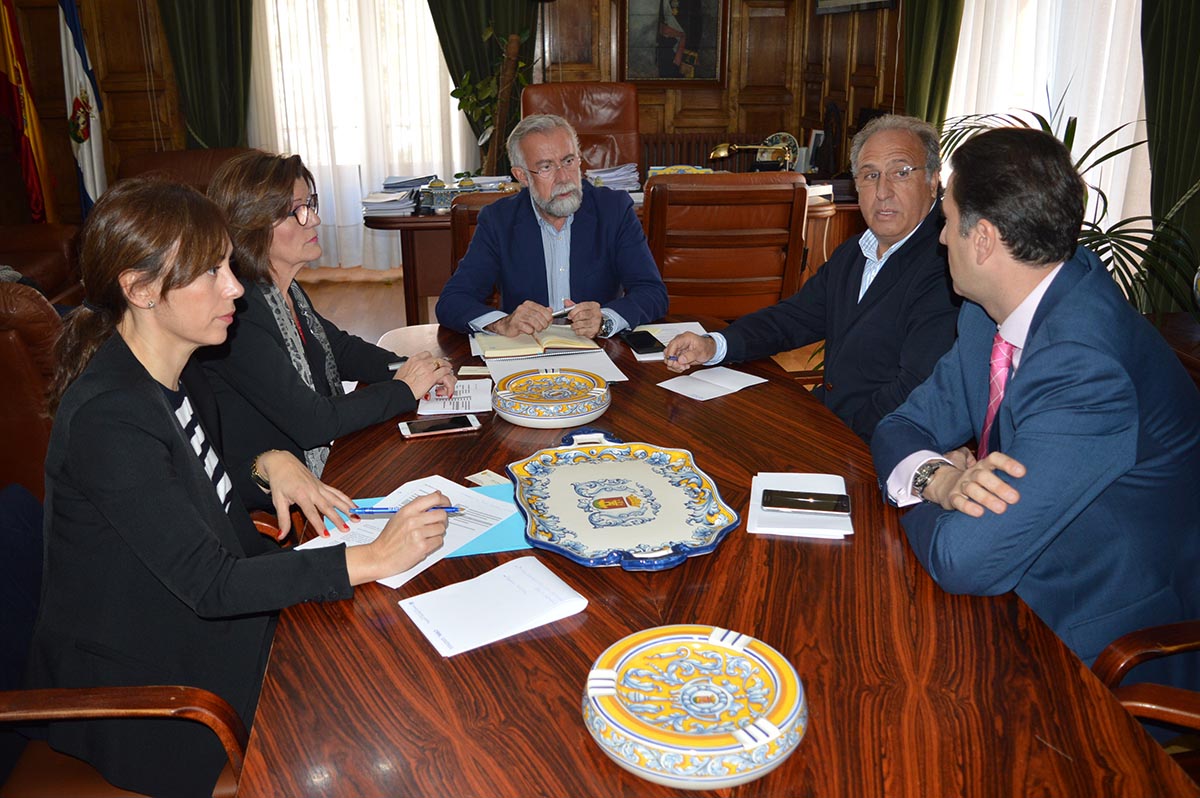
column 440, row 425
column 798, row 501
column 642, row 342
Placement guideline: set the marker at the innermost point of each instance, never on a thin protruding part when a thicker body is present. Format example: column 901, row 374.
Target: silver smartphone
column 797, row 501
column 442, row 425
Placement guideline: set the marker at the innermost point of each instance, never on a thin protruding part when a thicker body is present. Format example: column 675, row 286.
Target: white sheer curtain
column 360, row 90
column 1029, row 54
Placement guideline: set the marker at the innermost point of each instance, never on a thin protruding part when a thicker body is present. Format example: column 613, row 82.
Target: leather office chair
column 727, row 247
column 464, row 216
column 604, row 115
column 45, row 253
column 193, row 167
column 40, row 771
column 1155, row 702
column 29, row 328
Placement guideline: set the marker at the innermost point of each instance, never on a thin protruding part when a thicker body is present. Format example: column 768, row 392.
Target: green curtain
column 210, row 47
column 460, row 25
column 930, row 42
column 1170, row 38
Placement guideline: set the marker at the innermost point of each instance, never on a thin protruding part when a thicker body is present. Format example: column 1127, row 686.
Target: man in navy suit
column 1083, row 495
column 882, row 303
column 560, row 244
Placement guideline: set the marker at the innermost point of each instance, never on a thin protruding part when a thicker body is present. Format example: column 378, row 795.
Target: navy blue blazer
column 876, row 350
column 610, row 261
column 1105, row 538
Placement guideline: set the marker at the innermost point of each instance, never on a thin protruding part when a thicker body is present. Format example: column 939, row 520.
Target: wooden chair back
column 726, row 248
column 464, row 216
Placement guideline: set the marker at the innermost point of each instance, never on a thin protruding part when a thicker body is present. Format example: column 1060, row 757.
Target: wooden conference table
column 911, row 691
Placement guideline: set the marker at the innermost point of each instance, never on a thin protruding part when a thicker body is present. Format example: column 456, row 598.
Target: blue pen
column 393, row 510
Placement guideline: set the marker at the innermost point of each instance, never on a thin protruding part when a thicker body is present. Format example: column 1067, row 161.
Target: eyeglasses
column 307, row 212
column 548, row 170
column 896, row 174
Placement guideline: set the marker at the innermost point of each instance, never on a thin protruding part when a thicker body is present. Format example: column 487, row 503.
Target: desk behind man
column 1083, row 494
column 882, row 303
column 559, row 244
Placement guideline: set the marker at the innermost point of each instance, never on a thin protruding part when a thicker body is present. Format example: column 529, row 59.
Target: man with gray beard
column 560, row 244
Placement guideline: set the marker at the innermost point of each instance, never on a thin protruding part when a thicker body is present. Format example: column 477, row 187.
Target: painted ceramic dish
column 598, row 501
column 695, row 707
column 551, row 399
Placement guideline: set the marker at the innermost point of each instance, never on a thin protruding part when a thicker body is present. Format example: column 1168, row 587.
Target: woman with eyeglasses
column 154, row 573
column 278, row 378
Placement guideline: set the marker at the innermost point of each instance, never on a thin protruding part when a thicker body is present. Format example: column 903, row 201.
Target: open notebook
column 556, row 337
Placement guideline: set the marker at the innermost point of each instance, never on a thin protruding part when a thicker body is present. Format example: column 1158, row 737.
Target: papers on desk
column 470, row 396
column 623, row 177
column 479, row 514
column 389, row 203
column 803, row 525
column 710, row 383
column 515, row 597
column 596, row 361
column 401, row 182
column 664, row 333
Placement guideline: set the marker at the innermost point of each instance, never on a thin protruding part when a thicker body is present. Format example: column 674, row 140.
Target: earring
column 150, row 305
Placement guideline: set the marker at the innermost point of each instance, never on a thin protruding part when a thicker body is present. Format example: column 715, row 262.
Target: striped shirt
column 192, row 430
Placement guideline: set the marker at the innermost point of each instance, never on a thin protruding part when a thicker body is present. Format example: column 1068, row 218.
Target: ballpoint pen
column 558, row 314
column 397, row 364
column 452, row 510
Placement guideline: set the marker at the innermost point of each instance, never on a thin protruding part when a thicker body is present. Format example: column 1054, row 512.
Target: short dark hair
column 254, row 189
column 1024, row 182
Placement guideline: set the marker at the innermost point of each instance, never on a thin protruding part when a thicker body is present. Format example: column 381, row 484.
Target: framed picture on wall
column 673, row 42
column 838, row 6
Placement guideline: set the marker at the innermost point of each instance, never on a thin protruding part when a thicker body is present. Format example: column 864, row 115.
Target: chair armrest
column 1131, row 650
column 1161, row 702
column 93, row 703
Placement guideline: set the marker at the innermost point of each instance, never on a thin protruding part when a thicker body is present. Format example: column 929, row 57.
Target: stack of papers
column 796, row 524
column 622, row 178
column 665, row 333
column 390, row 203
column 519, row 595
column 491, row 182
column 470, row 396
column 399, row 183
column 710, row 383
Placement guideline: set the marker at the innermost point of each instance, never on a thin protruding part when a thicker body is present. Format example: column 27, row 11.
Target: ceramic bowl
column 695, row 707
column 551, row 400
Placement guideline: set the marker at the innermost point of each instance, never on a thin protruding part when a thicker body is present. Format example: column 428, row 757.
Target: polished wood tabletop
column 911, row 691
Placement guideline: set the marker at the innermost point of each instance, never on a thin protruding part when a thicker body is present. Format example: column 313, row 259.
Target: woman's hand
column 422, row 372
column 410, row 536
column 292, row 483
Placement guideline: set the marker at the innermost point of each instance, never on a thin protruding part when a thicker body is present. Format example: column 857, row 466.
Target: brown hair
column 254, row 190
column 157, row 228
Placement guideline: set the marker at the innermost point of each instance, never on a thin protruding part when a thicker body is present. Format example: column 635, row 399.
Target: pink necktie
column 1002, row 357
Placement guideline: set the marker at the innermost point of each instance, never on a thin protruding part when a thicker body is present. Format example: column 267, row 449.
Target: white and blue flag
column 83, row 107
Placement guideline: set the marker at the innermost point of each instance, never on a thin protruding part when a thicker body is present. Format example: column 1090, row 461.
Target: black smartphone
column 797, row 501
column 643, row 343
column 438, row 426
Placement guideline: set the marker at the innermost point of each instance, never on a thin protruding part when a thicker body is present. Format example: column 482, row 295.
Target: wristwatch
column 606, row 327
column 923, row 474
column 258, row 478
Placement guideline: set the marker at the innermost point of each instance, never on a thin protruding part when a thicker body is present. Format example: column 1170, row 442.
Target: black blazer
column 264, row 403
column 876, row 350
column 148, row 581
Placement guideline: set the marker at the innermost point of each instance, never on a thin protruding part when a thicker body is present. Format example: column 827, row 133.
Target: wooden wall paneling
column 137, row 80
column 577, row 38
column 815, row 80
column 766, row 100
column 37, row 21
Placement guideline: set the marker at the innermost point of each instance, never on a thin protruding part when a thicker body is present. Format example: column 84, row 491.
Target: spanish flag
column 16, row 106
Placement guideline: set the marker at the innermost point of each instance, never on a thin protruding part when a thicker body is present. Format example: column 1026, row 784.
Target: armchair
column 605, row 115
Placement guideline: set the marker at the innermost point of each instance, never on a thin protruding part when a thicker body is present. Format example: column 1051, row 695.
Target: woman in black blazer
column 278, row 378
column 154, row 573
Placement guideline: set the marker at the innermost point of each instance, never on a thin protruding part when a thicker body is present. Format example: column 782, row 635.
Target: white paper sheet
column 710, row 383
column 470, row 396
column 515, row 597
column 480, row 514
column 596, row 361
column 808, row 525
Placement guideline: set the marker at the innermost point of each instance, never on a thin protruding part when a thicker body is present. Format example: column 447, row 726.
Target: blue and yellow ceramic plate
column 551, row 399
column 695, row 707
column 599, row 501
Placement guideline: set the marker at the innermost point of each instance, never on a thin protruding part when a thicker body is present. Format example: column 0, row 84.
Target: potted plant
column 490, row 97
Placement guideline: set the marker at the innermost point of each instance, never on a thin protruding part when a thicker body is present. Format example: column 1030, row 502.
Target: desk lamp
column 781, row 152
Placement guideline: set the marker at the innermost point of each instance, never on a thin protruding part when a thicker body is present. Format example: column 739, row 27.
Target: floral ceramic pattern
column 695, row 707
column 657, row 507
column 551, row 398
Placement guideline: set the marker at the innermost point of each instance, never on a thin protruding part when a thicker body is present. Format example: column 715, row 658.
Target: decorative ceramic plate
column 695, row 707
column 551, row 398
column 598, row 501
column 788, row 141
